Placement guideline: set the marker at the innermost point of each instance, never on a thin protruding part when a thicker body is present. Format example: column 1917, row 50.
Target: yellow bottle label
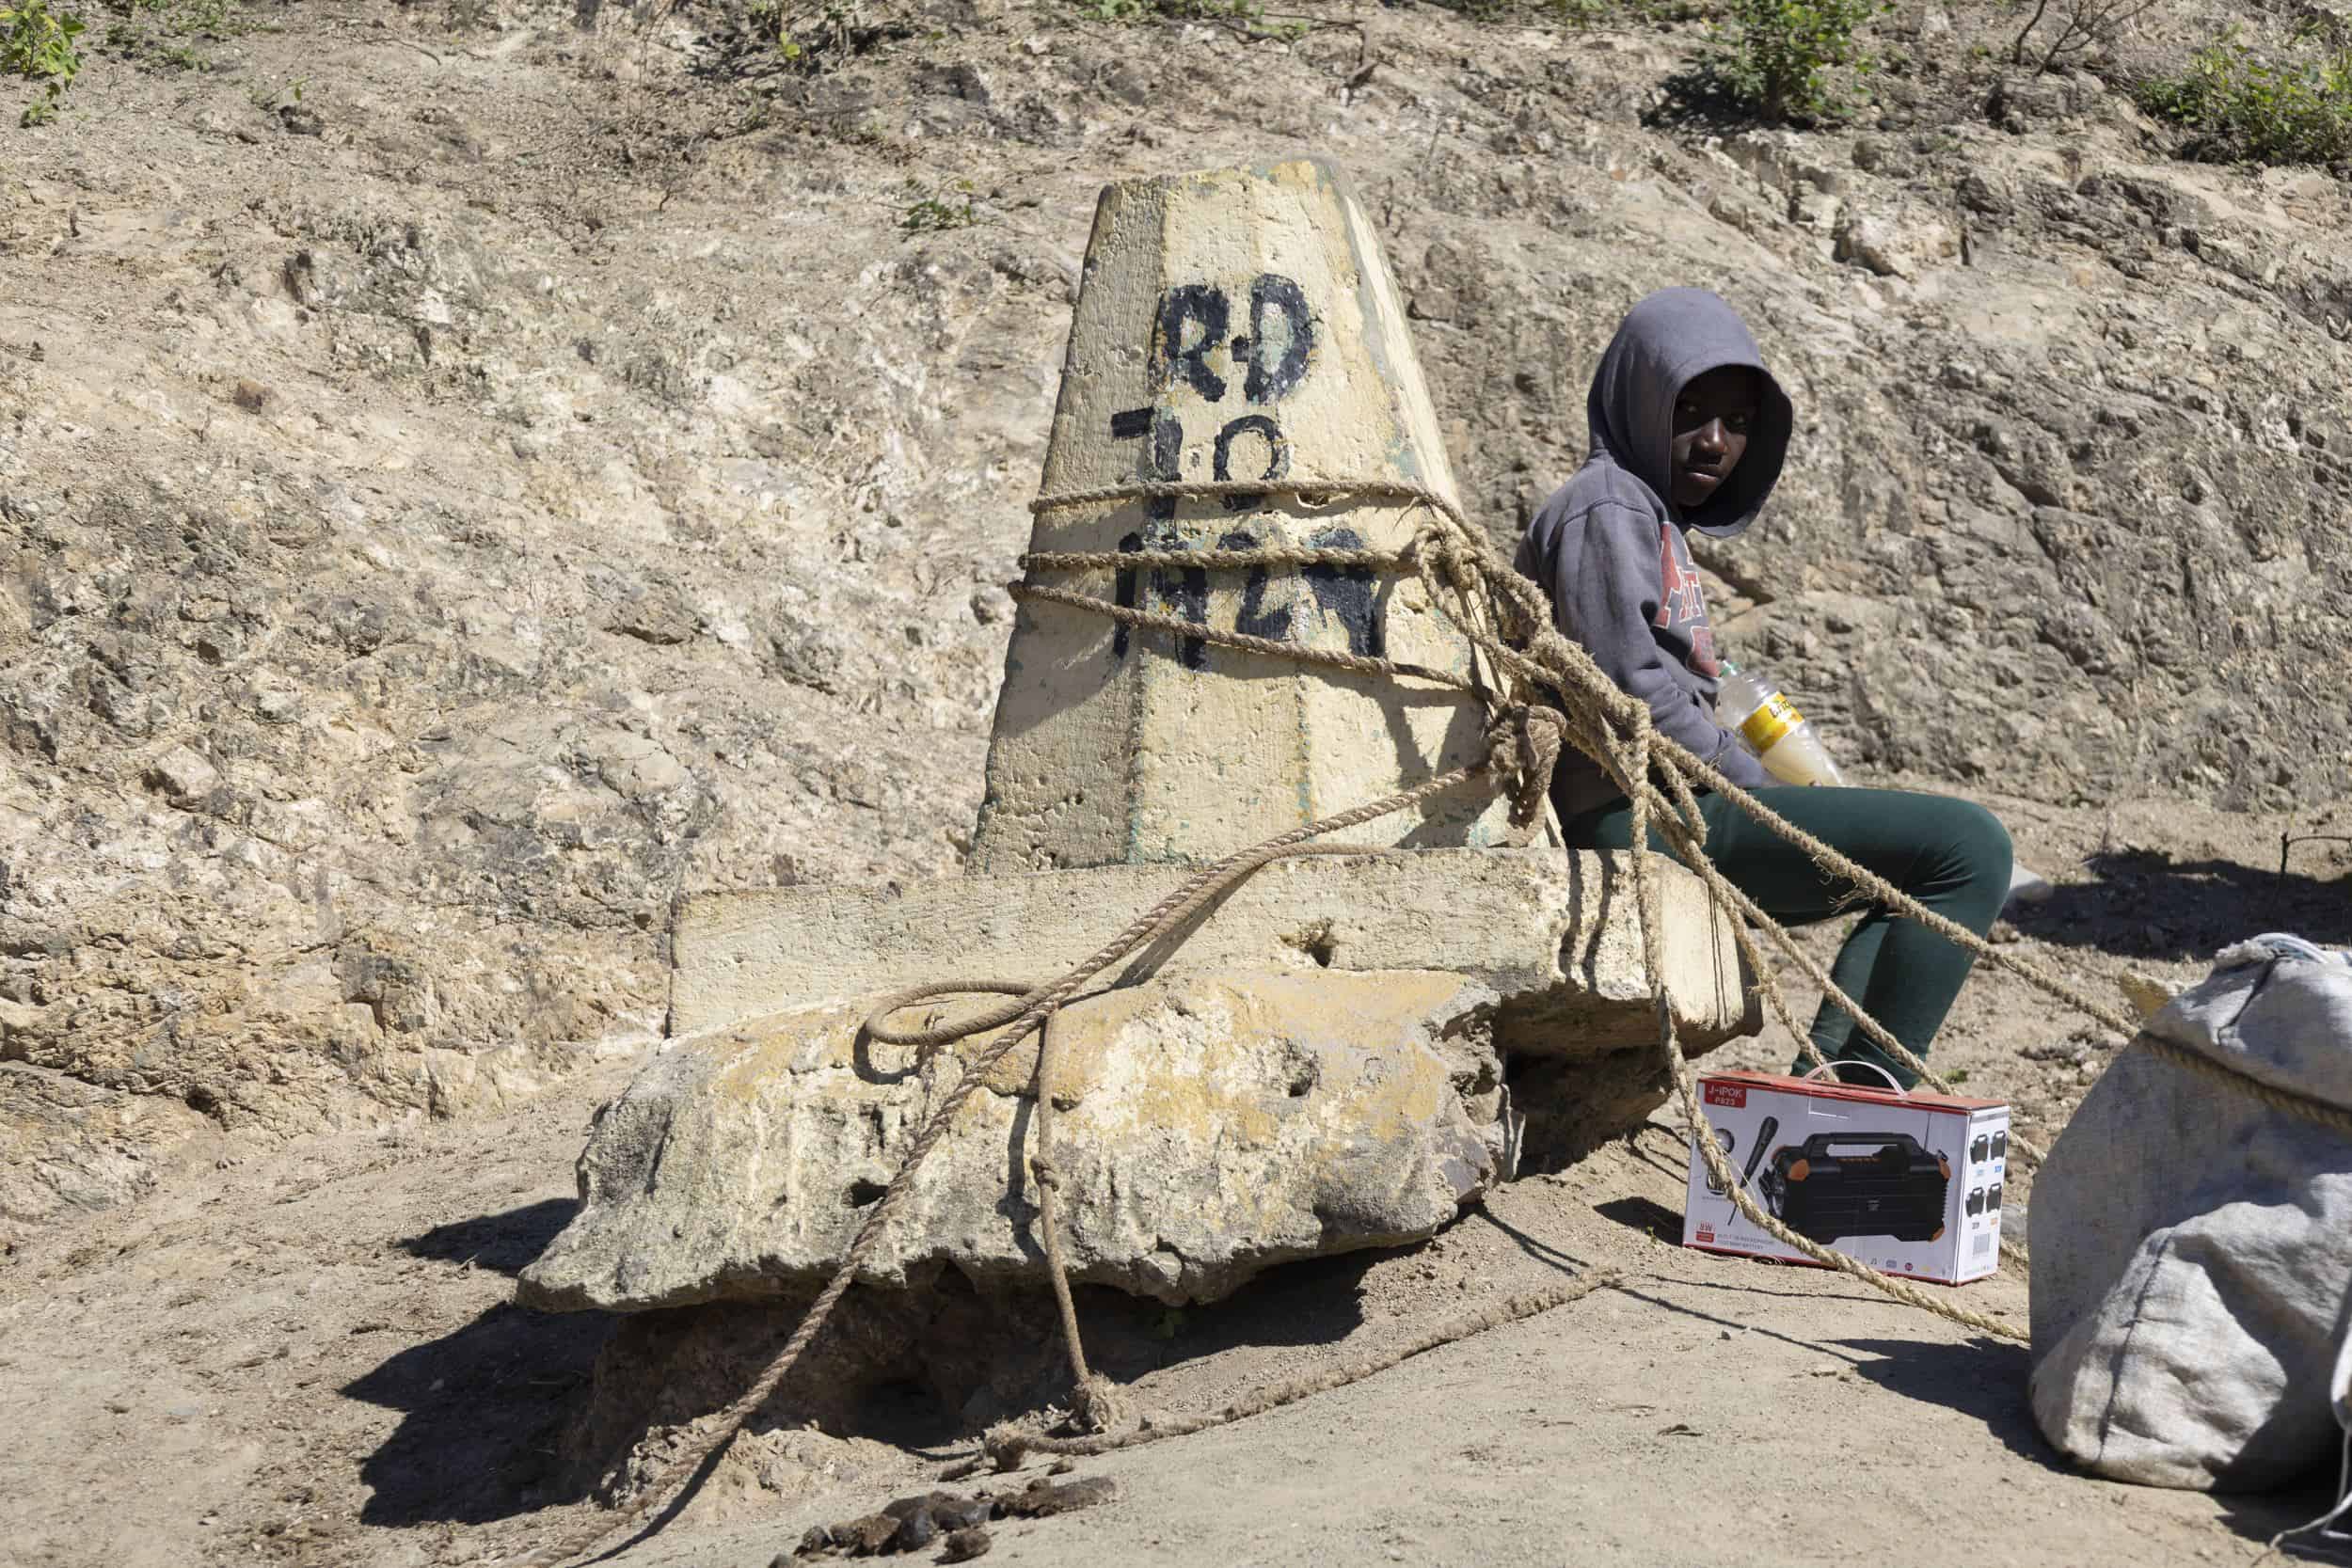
column 1774, row 718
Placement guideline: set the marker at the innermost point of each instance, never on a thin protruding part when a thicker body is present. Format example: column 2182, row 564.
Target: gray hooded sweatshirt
column 1609, row 547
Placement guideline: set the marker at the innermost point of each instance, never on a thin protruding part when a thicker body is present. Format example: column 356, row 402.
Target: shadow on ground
column 2144, row 904
column 482, row 1411
column 507, row 1242
column 1983, row 1379
column 482, row 1408
column 1651, row 1218
column 1316, row 1301
column 1986, row 1379
column 2261, row 1515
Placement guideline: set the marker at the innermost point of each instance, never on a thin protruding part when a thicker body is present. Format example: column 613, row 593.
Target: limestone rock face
column 556, row 469
column 1206, row 1126
column 66, row 1147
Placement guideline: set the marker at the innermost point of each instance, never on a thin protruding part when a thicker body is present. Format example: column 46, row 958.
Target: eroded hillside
column 555, row 462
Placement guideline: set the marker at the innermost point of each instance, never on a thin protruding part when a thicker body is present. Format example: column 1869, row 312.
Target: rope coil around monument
column 1661, row 778
column 1432, row 555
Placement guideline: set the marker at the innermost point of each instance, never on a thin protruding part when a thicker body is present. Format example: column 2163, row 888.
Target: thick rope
column 1216, row 560
column 1006, row 1447
column 1097, row 1402
column 1202, row 889
column 1308, row 492
column 1453, row 559
column 1331, row 658
column 2332, row 1116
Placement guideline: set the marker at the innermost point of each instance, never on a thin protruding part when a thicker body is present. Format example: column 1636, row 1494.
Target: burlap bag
column 2192, row 1246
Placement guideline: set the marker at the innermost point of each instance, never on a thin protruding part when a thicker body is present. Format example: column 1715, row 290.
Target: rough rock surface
column 68, row 1146
column 1268, row 1087
column 1553, row 934
column 578, row 475
column 1206, row 1126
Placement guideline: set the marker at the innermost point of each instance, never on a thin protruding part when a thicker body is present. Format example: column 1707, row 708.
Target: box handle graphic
column 1892, row 1083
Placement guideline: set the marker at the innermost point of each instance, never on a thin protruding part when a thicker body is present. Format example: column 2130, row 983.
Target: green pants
column 1951, row 855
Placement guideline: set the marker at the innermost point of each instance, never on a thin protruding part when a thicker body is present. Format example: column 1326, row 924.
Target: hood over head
column 1666, row 342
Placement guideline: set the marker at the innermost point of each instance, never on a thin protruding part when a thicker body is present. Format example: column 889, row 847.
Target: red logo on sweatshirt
column 1680, row 600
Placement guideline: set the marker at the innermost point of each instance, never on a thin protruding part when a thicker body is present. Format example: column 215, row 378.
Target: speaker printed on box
column 1910, row 1183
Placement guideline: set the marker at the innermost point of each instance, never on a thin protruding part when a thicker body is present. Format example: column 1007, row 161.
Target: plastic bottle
column 1788, row 747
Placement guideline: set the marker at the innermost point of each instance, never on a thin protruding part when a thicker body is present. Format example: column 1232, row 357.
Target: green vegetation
column 769, row 25
column 167, row 32
column 749, row 40
column 927, row 213
column 38, row 44
column 1249, row 18
column 2243, row 107
column 1790, row 59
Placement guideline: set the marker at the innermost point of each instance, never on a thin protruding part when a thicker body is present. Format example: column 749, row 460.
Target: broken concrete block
column 1207, row 1126
column 1316, row 1064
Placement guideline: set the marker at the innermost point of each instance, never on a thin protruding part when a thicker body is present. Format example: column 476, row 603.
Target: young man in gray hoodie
column 1689, row 430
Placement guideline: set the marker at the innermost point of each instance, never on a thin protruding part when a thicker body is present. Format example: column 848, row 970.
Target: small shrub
column 926, row 213
column 2244, row 107
column 38, row 44
column 166, row 32
column 1247, row 18
column 270, row 100
column 1789, row 59
column 751, row 39
column 2081, row 25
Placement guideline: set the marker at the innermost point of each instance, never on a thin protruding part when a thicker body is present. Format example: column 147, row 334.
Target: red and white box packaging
column 1909, row 1183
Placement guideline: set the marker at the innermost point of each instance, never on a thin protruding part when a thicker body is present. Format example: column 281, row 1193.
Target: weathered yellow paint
column 1241, row 315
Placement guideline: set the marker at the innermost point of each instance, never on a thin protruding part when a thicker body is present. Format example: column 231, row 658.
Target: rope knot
column 1523, row 746
column 1434, row 544
column 1098, row 1404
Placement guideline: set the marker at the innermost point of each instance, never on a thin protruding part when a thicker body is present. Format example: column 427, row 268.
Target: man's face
column 1712, row 421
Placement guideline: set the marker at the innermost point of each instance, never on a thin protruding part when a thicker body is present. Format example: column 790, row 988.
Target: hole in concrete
column 1316, row 942
column 863, row 1192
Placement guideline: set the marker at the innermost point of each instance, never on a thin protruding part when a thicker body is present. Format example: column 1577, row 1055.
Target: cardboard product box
column 1909, row 1183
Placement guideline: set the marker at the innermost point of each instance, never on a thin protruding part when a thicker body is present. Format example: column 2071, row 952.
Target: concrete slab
column 1552, row 932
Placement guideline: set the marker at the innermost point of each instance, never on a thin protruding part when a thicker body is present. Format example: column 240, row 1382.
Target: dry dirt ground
column 310, row 1358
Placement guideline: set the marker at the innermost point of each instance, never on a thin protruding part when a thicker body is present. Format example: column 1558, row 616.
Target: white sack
column 2192, row 1247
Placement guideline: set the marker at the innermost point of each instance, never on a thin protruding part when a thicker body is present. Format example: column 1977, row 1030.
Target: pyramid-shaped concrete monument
column 1339, row 1054
column 1232, row 327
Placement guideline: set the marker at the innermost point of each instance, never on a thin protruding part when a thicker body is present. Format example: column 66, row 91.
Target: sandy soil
column 309, row 1358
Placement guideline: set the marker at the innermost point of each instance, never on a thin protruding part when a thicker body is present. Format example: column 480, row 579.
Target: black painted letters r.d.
column 1192, row 318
